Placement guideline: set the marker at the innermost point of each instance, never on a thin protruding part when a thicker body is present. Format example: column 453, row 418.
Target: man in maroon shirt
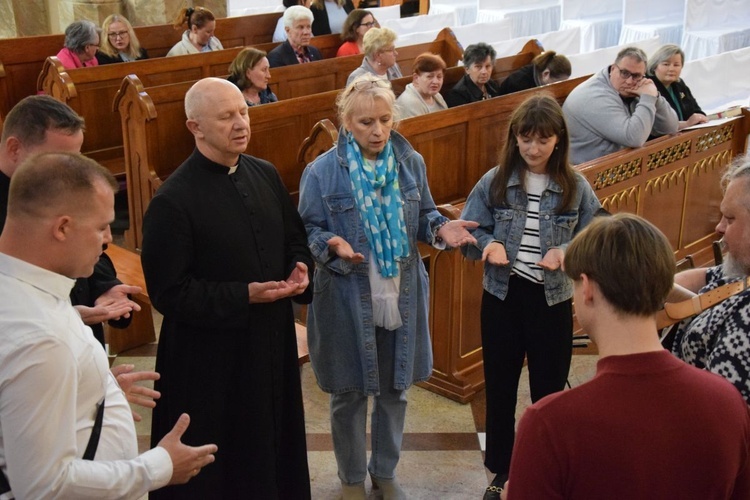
column 647, row 425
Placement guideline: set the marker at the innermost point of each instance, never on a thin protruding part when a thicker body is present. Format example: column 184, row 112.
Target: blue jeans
column 349, row 422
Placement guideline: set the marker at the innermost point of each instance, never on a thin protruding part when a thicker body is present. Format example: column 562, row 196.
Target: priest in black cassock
column 224, row 254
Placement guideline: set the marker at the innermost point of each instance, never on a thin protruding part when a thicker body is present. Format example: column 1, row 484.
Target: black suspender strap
column 93, row 443
column 96, row 431
column 4, row 486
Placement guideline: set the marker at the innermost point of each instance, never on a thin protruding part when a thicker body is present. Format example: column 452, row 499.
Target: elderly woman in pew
column 664, row 68
column 365, row 203
column 380, row 56
column 358, row 22
column 199, row 36
column 422, row 96
column 119, row 43
column 477, row 84
column 279, row 34
column 250, row 71
column 548, row 67
column 296, row 49
column 81, row 44
column 528, row 208
column 329, row 15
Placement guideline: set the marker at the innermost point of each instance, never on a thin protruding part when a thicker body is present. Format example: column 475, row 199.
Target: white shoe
column 387, row 489
column 353, row 491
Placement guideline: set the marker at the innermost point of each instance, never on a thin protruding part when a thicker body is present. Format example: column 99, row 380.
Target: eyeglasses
column 625, row 74
column 392, row 50
column 368, row 84
column 119, row 34
column 369, row 25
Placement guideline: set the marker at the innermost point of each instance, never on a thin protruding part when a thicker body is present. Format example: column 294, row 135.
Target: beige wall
column 39, row 17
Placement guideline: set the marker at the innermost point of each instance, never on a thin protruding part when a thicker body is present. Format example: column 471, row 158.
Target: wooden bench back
column 21, row 59
column 86, row 89
column 155, row 147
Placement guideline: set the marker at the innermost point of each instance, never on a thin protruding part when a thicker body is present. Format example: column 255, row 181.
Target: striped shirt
column 530, row 251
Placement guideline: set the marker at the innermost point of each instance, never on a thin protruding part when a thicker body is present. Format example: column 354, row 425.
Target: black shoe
column 495, row 488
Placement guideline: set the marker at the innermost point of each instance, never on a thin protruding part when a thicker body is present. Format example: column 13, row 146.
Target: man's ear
column 587, row 289
column 194, row 127
column 61, row 227
column 14, row 148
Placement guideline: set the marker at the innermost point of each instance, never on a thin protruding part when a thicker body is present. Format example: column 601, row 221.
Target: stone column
column 39, row 17
column 93, row 10
column 23, row 18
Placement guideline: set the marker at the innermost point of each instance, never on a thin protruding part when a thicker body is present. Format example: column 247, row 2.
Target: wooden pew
column 671, row 181
column 141, row 328
column 85, row 89
column 22, row 58
column 156, row 140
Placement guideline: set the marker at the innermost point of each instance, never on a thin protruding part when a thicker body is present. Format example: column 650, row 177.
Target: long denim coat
column 340, row 329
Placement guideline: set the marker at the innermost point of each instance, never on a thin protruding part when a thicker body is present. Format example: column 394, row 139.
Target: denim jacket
column 340, row 329
column 506, row 224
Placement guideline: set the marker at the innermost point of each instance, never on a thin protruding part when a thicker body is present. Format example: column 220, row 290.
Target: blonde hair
column 134, row 46
column 359, row 93
column 377, row 38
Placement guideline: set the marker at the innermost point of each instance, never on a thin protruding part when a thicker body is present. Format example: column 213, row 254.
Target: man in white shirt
column 53, row 373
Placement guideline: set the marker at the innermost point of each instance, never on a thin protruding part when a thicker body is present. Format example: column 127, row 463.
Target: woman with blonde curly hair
column 119, row 43
column 365, row 203
column 380, row 56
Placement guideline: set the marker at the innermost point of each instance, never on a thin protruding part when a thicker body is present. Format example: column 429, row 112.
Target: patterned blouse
column 718, row 339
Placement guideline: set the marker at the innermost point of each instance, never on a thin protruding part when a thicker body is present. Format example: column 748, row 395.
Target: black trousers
column 522, row 325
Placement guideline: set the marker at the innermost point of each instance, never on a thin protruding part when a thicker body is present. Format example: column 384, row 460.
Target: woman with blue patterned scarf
column 365, row 203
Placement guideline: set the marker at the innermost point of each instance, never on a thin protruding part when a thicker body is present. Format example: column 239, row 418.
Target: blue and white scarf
column 382, row 218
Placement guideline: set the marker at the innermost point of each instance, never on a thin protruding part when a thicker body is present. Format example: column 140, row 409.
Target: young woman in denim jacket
column 367, row 325
column 528, row 209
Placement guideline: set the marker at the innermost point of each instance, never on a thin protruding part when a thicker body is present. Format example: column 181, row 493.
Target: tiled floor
column 442, row 449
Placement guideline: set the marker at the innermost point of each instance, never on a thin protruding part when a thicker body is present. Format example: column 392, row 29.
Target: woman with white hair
column 296, row 49
column 380, row 56
column 81, row 44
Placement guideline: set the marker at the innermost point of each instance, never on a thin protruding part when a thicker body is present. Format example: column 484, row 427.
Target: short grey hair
column 738, row 169
column 296, row 13
column 664, row 53
column 78, row 34
column 633, row 53
column 477, row 53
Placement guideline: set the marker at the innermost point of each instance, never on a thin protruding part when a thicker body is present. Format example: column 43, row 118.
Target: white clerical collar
column 233, row 169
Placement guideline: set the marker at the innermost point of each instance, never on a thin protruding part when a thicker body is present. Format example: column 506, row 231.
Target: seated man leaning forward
column 57, row 440
column 296, row 49
column 718, row 338
column 647, row 425
column 616, row 108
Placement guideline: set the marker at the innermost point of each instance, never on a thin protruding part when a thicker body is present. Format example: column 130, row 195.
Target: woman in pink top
column 357, row 23
column 81, row 44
